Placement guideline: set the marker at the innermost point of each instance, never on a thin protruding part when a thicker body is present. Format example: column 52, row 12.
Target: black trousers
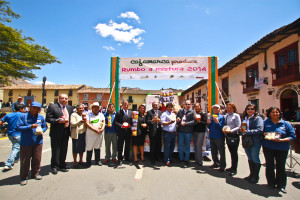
column 121, row 139
column 233, row 149
column 280, row 157
column 155, row 146
column 59, row 148
column 217, row 146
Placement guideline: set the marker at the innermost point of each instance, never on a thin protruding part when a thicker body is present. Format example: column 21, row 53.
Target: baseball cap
column 36, row 104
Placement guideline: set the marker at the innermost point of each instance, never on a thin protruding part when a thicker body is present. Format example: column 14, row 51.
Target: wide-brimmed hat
column 95, row 104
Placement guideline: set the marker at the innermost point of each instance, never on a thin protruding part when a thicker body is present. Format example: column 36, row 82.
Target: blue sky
column 85, row 34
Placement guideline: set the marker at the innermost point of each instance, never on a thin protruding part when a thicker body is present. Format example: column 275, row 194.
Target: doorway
column 289, row 103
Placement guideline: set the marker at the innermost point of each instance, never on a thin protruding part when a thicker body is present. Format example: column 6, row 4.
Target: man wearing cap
column 217, row 138
column 32, row 126
column 19, row 101
column 94, row 134
column 58, row 115
column 13, row 134
column 123, row 122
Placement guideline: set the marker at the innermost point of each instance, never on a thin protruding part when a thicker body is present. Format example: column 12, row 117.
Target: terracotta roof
column 94, row 90
column 47, row 87
column 262, row 45
column 144, row 92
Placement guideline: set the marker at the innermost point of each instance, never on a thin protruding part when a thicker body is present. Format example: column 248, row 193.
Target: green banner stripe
column 117, row 84
column 111, row 81
column 213, row 80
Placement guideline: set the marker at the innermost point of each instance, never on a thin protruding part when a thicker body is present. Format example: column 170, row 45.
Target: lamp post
column 43, row 95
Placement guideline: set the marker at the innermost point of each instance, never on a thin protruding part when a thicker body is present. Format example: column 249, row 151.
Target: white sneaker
column 8, row 167
column 16, row 161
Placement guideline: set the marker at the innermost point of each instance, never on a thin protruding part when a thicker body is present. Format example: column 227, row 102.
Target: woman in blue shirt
column 276, row 148
column 252, row 125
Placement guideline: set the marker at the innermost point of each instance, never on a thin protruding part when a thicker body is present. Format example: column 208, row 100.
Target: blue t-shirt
column 283, row 127
column 28, row 136
column 12, row 119
column 112, row 129
column 215, row 130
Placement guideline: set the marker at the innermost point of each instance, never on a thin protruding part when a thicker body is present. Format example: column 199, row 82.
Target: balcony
column 285, row 75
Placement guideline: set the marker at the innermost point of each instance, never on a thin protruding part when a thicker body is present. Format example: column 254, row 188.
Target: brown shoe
column 169, row 164
column 105, row 161
column 115, row 160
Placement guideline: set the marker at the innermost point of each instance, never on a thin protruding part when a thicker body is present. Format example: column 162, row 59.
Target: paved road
column 128, row 182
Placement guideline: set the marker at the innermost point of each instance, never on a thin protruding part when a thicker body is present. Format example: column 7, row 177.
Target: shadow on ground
column 14, row 180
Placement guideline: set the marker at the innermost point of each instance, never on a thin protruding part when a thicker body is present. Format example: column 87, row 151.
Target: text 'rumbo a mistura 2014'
column 164, row 69
column 140, row 62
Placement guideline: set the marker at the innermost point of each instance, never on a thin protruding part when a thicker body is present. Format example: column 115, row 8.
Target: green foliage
column 19, row 55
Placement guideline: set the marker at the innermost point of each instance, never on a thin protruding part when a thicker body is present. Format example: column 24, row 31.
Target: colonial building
column 135, row 96
column 91, row 95
column 265, row 74
column 32, row 93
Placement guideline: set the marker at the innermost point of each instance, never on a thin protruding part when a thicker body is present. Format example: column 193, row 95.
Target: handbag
column 247, row 141
column 232, row 140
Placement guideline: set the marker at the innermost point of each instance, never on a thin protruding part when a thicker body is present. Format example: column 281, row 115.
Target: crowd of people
column 88, row 128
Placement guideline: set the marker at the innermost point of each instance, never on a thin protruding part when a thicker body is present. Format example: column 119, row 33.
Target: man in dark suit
column 122, row 117
column 58, row 115
column 155, row 131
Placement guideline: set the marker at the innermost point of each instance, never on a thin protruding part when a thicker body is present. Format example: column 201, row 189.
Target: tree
column 19, row 55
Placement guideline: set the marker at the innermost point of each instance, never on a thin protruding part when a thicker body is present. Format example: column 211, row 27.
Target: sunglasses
column 250, row 108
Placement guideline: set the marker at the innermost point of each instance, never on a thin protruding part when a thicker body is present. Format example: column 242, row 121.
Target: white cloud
column 108, row 48
column 47, row 83
column 207, row 11
column 130, row 15
column 164, row 56
column 188, row 86
column 120, row 32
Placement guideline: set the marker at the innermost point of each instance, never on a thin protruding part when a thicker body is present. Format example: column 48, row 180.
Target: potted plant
column 273, row 71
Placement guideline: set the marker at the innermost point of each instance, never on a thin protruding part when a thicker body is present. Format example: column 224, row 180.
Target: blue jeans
column 169, row 145
column 184, row 143
column 253, row 152
column 15, row 151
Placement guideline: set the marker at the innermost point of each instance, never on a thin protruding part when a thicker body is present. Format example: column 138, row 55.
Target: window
column 286, row 65
column 225, row 92
column 70, row 93
column 134, row 107
column 56, row 93
column 193, row 97
column 99, row 97
column 10, row 92
column 256, row 103
column 85, row 96
column 251, row 75
column 29, row 93
column 70, row 103
column 199, row 96
column 130, row 100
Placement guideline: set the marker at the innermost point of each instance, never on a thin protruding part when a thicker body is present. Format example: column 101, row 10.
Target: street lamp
column 43, row 95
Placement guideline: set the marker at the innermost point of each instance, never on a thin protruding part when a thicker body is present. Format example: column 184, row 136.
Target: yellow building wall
column 138, row 99
column 37, row 93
